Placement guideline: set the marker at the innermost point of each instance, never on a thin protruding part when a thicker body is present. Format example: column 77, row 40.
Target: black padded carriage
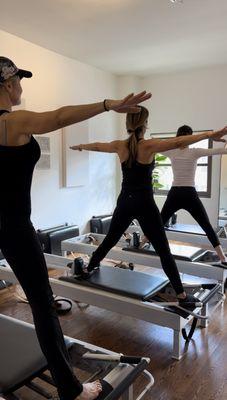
column 124, row 282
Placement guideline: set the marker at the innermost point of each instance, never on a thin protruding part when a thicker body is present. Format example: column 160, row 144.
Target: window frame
column 167, row 135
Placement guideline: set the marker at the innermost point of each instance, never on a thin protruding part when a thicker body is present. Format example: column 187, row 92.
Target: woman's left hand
column 217, row 136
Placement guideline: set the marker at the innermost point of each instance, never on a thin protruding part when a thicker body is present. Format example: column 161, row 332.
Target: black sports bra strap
column 4, row 127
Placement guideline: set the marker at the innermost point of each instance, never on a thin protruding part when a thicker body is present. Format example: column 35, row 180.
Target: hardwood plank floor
column 200, row 375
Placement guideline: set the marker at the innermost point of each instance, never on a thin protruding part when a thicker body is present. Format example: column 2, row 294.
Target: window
column 163, row 172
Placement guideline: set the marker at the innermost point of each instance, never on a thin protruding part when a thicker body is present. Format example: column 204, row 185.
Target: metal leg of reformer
column 177, row 345
column 128, row 395
column 203, row 323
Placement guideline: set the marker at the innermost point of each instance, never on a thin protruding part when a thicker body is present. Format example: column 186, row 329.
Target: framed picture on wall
column 44, row 143
column 75, row 164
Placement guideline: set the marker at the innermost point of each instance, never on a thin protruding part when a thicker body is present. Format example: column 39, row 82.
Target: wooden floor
column 200, row 375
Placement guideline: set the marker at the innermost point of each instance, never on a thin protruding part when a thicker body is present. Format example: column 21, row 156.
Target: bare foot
column 144, row 241
column 182, row 296
column 90, row 391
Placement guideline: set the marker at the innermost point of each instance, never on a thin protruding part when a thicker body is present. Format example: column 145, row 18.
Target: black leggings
column 187, row 198
column 139, row 205
column 21, row 248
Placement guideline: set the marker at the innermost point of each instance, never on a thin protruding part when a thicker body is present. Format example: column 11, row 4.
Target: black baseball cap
column 9, row 69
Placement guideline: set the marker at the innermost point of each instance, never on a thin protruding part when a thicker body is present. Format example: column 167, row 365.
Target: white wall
column 196, row 98
column 58, row 81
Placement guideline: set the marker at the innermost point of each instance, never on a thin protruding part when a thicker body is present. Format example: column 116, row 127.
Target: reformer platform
column 191, row 260
column 186, row 228
column 22, row 361
column 187, row 233
column 184, row 253
column 142, row 308
column 180, row 252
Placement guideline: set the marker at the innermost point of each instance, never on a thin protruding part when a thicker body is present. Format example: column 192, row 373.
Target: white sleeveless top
column 184, row 163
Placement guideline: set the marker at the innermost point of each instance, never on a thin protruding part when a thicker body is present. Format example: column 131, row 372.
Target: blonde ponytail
column 132, row 146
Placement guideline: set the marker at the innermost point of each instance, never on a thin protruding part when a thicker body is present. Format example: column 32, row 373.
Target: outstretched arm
column 111, row 147
column 211, row 152
column 27, row 122
column 160, row 145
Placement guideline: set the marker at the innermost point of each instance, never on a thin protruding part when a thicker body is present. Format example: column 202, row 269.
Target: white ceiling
column 124, row 36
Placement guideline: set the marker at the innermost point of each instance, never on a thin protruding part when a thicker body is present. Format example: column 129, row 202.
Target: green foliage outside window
column 159, row 159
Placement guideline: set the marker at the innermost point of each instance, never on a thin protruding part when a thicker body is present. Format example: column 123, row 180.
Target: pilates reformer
column 22, row 361
column 133, row 294
column 187, row 233
column 190, row 260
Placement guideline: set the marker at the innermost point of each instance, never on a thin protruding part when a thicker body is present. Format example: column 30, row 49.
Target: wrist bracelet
column 104, row 105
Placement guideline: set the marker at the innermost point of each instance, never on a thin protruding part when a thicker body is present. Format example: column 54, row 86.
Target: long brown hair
column 134, row 124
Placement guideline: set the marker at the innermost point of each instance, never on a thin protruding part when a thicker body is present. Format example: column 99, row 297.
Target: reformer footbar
column 213, row 289
column 122, row 358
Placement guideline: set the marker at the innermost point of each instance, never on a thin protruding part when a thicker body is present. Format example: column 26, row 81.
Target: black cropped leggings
column 21, row 248
column 186, row 197
column 139, row 205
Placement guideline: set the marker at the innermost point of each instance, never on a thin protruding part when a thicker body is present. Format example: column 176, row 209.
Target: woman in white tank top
column 183, row 194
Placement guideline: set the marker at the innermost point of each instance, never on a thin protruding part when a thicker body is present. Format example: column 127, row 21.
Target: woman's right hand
column 217, row 135
column 76, row 147
column 130, row 104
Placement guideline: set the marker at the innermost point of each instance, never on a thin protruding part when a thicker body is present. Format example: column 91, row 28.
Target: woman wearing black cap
column 19, row 152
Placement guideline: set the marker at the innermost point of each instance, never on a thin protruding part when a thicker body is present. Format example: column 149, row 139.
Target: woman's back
column 184, row 163
column 138, row 175
column 143, row 156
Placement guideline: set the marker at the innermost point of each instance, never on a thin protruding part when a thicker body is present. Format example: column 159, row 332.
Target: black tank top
column 16, row 169
column 138, row 177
